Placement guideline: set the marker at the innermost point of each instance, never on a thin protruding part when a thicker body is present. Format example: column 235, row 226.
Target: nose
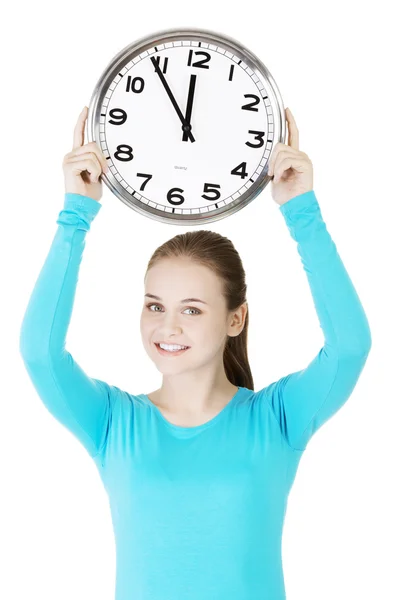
column 168, row 333
column 170, row 326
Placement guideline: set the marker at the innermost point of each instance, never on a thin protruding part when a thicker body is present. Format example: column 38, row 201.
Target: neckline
column 195, row 428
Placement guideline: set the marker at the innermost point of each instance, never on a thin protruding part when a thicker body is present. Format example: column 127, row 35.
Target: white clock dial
column 187, row 127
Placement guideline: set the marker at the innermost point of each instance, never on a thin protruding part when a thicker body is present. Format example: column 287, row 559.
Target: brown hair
column 217, row 252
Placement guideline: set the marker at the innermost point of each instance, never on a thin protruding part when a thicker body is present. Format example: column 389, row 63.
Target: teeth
column 172, row 347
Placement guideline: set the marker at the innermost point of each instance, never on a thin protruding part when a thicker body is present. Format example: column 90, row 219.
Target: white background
column 335, row 66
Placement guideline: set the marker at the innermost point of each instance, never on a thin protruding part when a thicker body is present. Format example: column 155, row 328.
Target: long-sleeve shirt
column 197, row 512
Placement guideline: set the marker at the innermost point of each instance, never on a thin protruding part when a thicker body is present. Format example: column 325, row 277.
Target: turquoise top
column 197, row 512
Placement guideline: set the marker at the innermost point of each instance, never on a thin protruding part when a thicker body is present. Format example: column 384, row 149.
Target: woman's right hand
column 84, row 165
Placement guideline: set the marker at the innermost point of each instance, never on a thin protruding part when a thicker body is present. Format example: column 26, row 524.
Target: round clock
column 187, row 121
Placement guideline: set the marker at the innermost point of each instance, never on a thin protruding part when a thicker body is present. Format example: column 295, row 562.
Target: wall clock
column 187, row 120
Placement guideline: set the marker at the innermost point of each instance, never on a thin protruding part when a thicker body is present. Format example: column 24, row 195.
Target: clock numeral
column 119, row 116
column 207, row 187
column 121, row 150
column 250, row 106
column 131, row 84
column 201, row 63
column 240, row 170
column 173, row 193
column 231, row 72
column 157, row 59
column 144, row 182
column 259, row 135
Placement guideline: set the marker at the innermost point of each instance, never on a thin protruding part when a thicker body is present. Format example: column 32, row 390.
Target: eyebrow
column 182, row 301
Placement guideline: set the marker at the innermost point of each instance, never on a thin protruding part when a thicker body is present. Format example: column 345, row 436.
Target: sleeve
column 83, row 405
column 304, row 400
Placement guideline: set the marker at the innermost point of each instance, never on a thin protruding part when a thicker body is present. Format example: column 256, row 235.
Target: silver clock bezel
column 167, row 36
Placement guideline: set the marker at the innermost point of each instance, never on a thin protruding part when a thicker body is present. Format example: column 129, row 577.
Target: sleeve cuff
column 298, row 202
column 78, row 210
column 79, row 201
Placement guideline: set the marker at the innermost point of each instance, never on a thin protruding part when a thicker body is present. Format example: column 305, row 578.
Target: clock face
column 187, row 128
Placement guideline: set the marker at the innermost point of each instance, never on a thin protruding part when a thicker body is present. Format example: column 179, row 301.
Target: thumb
column 79, row 136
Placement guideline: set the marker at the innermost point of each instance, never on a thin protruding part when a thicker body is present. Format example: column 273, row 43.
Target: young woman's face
column 203, row 327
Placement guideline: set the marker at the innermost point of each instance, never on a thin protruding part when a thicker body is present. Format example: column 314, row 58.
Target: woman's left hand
column 291, row 169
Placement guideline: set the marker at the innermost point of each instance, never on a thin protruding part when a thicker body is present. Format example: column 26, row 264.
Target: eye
column 149, row 305
column 198, row 312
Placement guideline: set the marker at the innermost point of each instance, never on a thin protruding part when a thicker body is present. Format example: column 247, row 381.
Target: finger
column 278, row 146
column 80, row 129
column 280, row 151
column 293, row 141
column 87, row 162
column 289, row 162
column 93, row 147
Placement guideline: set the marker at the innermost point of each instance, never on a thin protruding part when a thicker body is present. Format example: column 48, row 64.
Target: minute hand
column 189, row 107
column 186, row 126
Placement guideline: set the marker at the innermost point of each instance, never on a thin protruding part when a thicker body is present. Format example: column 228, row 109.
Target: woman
column 198, row 472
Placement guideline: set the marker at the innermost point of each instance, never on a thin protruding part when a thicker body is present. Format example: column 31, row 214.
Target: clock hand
column 189, row 105
column 186, row 126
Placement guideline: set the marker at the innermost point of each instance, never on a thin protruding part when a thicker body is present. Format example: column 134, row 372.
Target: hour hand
column 186, row 126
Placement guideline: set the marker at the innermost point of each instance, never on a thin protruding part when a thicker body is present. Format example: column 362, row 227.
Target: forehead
column 181, row 277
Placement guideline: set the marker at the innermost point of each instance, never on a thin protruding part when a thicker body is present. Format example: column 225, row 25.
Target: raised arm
column 304, row 400
column 80, row 403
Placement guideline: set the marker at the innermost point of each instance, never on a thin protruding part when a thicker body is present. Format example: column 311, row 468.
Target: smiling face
column 201, row 325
